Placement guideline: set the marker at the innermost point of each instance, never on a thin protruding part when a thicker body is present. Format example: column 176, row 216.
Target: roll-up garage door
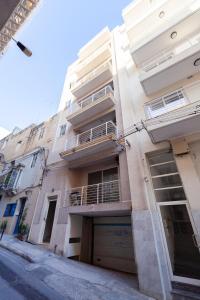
column 113, row 244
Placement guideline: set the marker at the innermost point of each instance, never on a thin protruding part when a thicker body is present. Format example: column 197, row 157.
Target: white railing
column 165, row 103
column 106, row 192
column 168, row 54
column 173, row 100
column 176, row 115
column 91, row 75
column 76, row 106
column 92, row 134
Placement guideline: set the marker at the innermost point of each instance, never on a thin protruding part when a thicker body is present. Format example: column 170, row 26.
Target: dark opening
column 49, row 222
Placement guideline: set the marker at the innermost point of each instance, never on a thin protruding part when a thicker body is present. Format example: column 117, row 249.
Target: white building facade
column 122, row 178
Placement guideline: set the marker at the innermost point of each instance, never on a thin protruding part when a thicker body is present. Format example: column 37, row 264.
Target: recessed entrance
column 49, row 221
column 104, row 241
column 182, row 246
column 21, row 210
column 177, row 225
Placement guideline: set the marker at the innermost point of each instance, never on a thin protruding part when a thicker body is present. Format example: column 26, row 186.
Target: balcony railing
column 186, row 111
column 92, row 134
column 168, row 54
column 106, row 192
column 90, row 76
column 9, row 180
column 173, row 100
column 165, row 103
column 76, row 106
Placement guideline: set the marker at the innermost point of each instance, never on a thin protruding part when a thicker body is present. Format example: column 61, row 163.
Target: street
column 17, row 283
column 51, row 277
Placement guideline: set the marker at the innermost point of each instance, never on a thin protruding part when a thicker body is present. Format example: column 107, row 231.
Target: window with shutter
column 10, row 210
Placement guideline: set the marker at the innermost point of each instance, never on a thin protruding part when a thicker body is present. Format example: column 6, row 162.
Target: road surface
column 18, row 283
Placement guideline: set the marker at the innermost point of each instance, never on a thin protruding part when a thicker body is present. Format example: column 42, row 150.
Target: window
column 12, row 179
column 68, row 104
column 35, row 155
column 41, row 133
column 63, row 129
column 7, row 178
column 103, row 176
column 10, row 210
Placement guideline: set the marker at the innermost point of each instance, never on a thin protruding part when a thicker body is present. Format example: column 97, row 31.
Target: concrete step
column 184, row 291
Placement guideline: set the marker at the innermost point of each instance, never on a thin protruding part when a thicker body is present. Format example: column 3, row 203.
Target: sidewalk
column 32, row 253
column 75, row 279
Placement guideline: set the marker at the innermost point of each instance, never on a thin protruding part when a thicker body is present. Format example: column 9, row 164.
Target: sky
column 30, row 88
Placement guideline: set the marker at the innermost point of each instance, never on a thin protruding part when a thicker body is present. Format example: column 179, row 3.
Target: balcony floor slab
column 84, row 115
column 104, row 209
column 175, row 128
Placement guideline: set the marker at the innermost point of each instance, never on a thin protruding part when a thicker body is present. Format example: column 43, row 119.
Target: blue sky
column 30, row 88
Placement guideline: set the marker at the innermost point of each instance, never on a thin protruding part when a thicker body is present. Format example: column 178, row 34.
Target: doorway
column 177, row 226
column 107, row 242
column 182, row 246
column 21, row 210
column 49, row 221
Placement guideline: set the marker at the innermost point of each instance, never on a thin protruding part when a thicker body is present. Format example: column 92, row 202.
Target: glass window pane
column 183, row 253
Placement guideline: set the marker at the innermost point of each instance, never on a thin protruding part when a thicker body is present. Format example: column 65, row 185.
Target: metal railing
column 106, row 192
column 165, row 103
column 91, row 75
column 176, row 115
column 172, row 101
column 76, row 106
column 8, row 181
column 92, row 134
column 168, row 54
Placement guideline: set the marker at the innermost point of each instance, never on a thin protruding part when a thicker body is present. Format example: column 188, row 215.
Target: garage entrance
column 107, row 242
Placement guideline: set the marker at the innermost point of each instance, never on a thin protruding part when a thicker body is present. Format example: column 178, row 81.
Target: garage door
column 113, row 245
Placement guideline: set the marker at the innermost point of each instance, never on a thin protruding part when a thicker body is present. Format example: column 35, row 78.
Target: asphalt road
column 18, row 282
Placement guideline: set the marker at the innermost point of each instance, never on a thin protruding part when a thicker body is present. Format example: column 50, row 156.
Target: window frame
column 34, row 159
column 10, row 210
column 63, row 129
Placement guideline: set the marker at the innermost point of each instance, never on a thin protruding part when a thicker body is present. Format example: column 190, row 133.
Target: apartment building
column 142, row 77
column 122, row 176
column 87, row 193
column 158, row 56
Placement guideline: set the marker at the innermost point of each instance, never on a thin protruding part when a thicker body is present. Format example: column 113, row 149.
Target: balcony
column 171, row 66
column 94, row 144
column 102, row 198
column 176, row 123
column 182, row 18
column 103, row 37
column 98, row 57
column 9, row 181
column 102, row 74
column 91, row 107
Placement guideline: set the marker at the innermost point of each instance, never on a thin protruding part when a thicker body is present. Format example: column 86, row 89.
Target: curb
column 18, row 252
